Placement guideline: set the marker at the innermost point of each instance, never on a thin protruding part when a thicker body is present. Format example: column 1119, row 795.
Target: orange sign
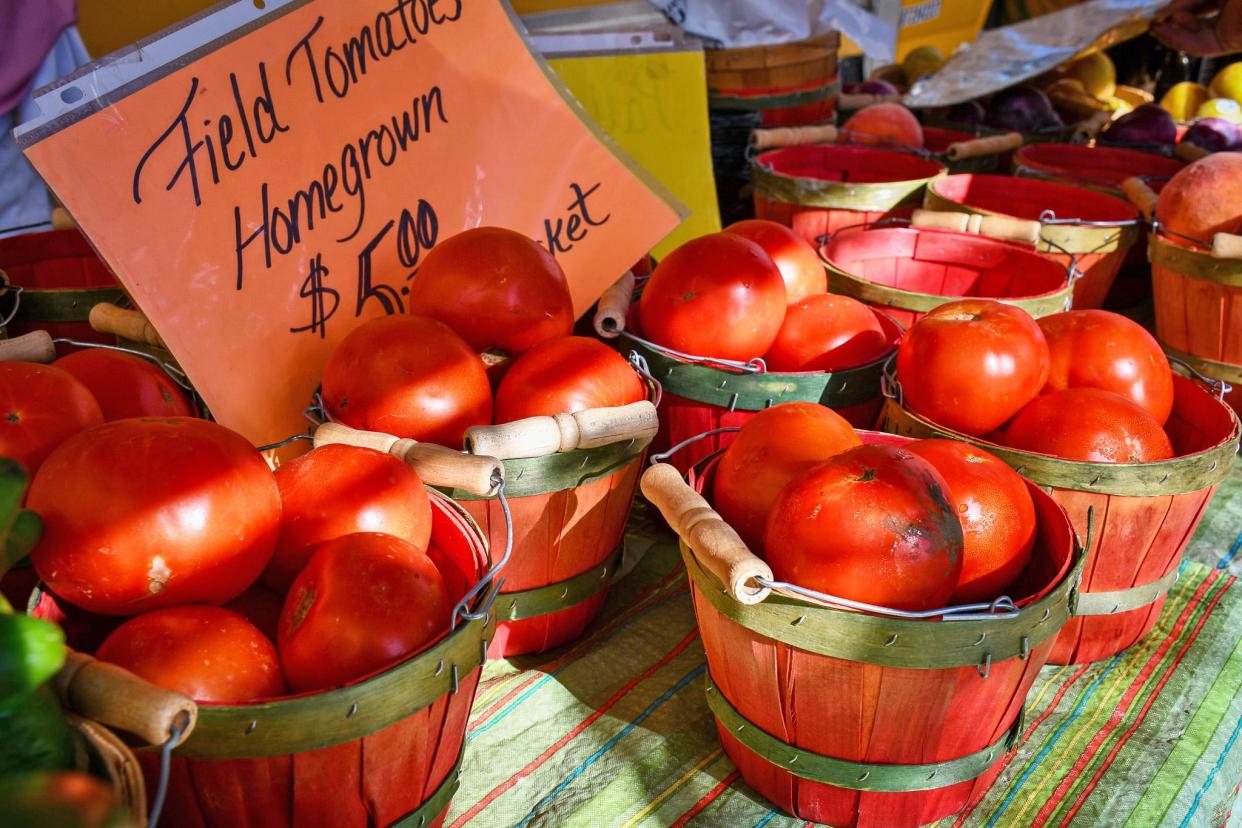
column 264, row 181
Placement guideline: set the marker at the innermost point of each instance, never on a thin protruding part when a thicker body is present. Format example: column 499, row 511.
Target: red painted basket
column 858, row 718
column 61, row 279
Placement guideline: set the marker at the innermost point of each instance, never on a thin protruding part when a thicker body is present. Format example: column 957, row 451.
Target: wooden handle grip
column 127, row 324
column 36, row 346
column 793, row 136
column 1188, row 152
column 1227, row 246
column 991, row 145
column 61, row 220
column 1087, row 129
column 540, row 436
column 1140, row 195
column 614, row 306
column 715, row 544
column 116, row 697
column 850, row 101
column 999, row 227
column 436, row 465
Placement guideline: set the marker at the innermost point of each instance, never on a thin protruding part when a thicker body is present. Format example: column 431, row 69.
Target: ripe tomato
column 126, row 385
column 409, row 376
column 208, row 653
column 1100, row 349
column 564, row 375
column 363, row 602
column 1089, row 424
column 40, row 407
column 339, row 490
column 970, row 365
column 496, row 288
column 996, row 512
column 718, row 295
column 872, row 524
column 775, row 446
column 260, row 606
column 145, row 513
column 798, row 262
column 827, row 333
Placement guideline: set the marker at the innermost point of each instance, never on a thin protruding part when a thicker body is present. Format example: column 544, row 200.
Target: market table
column 615, row 731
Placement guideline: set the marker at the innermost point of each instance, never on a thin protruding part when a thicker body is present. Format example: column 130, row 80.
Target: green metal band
column 894, row 642
column 439, row 800
column 838, row 195
column 739, row 391
column 858, row 776
column 1123, row 600
column 1208, row 367
column 1194, row 264
column 1167, row 477
column 716, row 99
column 528, row 476
column 529, row 603
column 908, row 300
column 63, row 305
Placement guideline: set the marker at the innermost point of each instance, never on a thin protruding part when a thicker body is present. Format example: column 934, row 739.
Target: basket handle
column 714, row 543
column 1141, row 196
column 1087, row 129
column 849, row 101
column 614, row 306
column 436, row 465
column 36, row 346
column 133, row 325
column 116, row 697
column 990, row 145
column 793, row 136
column 61, row 219
column 1188, row 152
column 999, row 227
column 541, row 436
column 1227, row 246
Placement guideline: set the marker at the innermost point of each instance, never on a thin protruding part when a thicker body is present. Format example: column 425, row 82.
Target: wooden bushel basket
column 1079, row 227
column 853, row 718
column 1145, row 514
column 61, row 279
column 908, row 271
column 787, row 83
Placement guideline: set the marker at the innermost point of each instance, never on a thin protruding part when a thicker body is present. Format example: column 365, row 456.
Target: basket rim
column 858, row 196
column 1191, row 262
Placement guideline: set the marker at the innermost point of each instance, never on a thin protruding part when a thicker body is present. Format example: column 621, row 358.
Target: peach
column 888, row 124
column 1204, row 198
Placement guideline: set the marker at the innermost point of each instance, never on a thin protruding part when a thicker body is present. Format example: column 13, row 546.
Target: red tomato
column 775, row 446
column 872, row 524
column 40, row 407
column 996, row 512
column 208, row 653
column 1089, row 424
column 718, row 295
column 496, row 288
column 126, row 385
column 409, row 376
column 261, row 607
column 145, row 513
column 798, row 262
column 339, row 490
column 1100, row 349
column 564, row 375
column 971, row 365
column 827, row 333
column 363, row 602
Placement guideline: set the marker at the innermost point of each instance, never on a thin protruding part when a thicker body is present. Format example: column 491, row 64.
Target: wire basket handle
column 36, row 346
column 1141, row 196
column 614, row 306
column 541, row 436
column 1226, row 246
column 793, row 136
column 989, row 145
column 1188, row 152
column 133, row 325
column 436, row 465
column 117, row 698
column 998, row 227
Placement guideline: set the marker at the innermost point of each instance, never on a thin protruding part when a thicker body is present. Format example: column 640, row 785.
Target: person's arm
column 1204, row 28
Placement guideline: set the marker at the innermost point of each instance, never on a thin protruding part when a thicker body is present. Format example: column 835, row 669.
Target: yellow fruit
column 1184, row 99
column 1133, row 96
column 924, row 60
column 1228, row 82
column 1226, row 108
column 1119, row 106
column 1097, row 73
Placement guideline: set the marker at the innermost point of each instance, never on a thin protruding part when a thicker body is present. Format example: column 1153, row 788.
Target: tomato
column 208, row 653
column 1100, row 349
column 827, row 333
column 126, row 385
column 718, row 295
column 564, row 375
column 145, row 513
column 40, row 407
column 409, row 376
column 339, row 490
column 1089, row 424
column 872, row 524
column 60, row 799
column 363, row 602
column 996, row 512
column 798, row 262
column 496, row 288
column 774, row 447
column 260, row 606
column 973, row 364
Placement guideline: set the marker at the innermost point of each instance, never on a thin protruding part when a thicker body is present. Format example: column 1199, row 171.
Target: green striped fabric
column 615, row 730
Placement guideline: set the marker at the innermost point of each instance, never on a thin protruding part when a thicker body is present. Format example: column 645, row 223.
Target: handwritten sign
column 264, row 181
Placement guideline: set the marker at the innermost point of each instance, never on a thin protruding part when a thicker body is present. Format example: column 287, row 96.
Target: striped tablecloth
column 615, row 731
